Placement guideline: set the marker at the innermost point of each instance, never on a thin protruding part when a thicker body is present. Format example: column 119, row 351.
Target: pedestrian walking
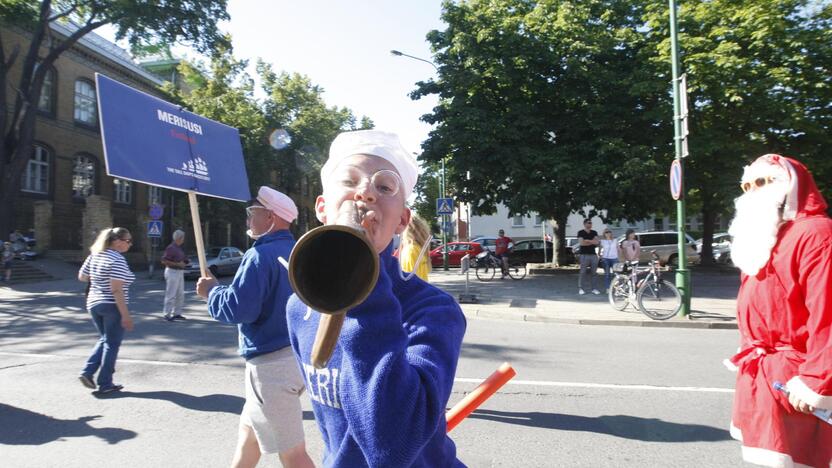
column 381, row 399
column 412, row 256
column 609, row 256
column 109, row 278
column 782, row 243
column 272, row 419
column 175, row 261
column 587, row 258
column 8, row 257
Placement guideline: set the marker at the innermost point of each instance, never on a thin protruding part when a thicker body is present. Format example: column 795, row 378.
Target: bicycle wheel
column 485, row 272
column 659, row 300
column 517, row 272
column 619, row 292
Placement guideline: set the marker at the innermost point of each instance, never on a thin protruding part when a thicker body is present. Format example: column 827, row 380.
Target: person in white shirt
column 609, row 256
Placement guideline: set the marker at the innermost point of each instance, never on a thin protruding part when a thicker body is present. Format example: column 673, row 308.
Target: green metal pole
column 682, row 272
column 444, row 223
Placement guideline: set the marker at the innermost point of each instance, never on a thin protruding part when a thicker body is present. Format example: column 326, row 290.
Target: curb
column 673, row 323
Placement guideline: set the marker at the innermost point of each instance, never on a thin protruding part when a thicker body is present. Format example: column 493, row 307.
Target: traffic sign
column 676, row 180
column 156, row 211
column 154, row 229
column 444, row 206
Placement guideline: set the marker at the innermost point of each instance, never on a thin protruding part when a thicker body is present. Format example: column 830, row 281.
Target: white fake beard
column 755, row 226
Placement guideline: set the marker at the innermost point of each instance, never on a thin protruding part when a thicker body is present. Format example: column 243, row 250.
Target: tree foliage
column 141, row 23
column 550, row 105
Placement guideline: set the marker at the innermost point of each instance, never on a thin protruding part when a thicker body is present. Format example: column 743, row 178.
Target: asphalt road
column 584, row 395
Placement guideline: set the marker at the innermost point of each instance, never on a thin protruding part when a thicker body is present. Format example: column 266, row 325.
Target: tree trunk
column 560, row 218
column 706, row 257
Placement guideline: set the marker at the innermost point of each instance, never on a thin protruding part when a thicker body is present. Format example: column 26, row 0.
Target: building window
column 658, row 224
column 46, row 103
column 36, row 176
column 517, row 221
column 83, row 176
column 122, row 191
column 538, row 220
column 86, row 111
column 154, row 195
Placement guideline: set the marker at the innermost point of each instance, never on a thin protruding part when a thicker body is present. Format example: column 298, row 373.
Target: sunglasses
column 759, row 182
column 250, row 210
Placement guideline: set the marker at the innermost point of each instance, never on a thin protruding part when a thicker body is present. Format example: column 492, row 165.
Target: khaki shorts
column 273, row 387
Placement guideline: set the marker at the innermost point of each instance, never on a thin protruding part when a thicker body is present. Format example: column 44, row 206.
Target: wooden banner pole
column 200, row 245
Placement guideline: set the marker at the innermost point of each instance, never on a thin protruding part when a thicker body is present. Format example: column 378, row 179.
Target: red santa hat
column 802, row 195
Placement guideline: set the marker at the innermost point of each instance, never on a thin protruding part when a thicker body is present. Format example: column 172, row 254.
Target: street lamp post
column 682, row 272
column 444, row 218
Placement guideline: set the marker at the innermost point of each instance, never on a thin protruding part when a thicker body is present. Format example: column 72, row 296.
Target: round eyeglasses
column 759, row 182
column 250, row 210
column 385, row 182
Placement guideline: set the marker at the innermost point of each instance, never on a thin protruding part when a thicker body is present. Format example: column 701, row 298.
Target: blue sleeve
column 85, row 268
column 397, row 377
column 242, row 300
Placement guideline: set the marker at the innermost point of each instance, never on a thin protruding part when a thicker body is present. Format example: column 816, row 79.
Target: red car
column 456, row 250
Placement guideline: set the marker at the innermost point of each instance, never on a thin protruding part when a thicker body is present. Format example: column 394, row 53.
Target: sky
column 344, row 47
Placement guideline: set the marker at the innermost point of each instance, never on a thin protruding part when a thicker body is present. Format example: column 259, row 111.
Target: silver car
column 665, row 243
column 219, row 260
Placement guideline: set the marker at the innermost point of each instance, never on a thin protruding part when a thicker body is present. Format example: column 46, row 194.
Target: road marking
column 543, row 383
column 537, row 383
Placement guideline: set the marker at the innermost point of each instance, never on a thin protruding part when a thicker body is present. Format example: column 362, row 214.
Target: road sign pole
column 682, row 272
column 444, row 223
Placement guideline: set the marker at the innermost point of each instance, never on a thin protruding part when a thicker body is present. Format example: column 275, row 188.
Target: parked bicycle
column 655, row 297
column 487, row 265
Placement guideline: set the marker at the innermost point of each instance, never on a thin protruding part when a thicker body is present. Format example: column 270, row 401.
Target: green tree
column 142, row 23
column 759, row 81
column 551, row 105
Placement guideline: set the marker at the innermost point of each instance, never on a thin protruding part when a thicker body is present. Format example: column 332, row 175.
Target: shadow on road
column 627, row 427
column 24, row 427
column 218, row 403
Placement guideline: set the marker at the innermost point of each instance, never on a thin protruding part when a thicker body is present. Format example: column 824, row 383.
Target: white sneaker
column 581, row 291
column 595, row 291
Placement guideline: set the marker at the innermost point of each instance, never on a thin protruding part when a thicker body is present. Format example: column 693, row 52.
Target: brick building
column 66, row 197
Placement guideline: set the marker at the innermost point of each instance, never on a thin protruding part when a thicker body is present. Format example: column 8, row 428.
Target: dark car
column 531, row 251
column 219, row 260
column 456, row 250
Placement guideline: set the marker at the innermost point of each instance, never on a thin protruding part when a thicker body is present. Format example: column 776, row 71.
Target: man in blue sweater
column 272, row 420
column 381, row 399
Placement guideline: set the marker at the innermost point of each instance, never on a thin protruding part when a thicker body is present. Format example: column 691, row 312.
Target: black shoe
column 86, row 380
column 110, row 389
column 168, row 318
column 179, row 317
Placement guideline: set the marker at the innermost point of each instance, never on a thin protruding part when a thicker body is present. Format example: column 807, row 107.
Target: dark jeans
column 107, row 321
column 606, row 264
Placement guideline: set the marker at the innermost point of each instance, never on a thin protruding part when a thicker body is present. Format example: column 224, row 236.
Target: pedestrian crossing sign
column 154, row 229
column 444, row 206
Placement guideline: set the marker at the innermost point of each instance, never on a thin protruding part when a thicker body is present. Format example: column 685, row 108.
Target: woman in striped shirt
column 109, row 276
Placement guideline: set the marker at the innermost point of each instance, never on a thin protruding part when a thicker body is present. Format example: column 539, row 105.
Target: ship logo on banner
column 196, row 167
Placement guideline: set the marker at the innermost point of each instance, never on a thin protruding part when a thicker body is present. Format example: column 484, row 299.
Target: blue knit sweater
column 381, row 400
column 256, row 298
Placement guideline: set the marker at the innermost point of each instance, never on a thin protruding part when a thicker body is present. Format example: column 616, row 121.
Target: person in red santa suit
column 782, row 242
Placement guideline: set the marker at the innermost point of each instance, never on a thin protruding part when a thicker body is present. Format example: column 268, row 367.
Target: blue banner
column 155, row 142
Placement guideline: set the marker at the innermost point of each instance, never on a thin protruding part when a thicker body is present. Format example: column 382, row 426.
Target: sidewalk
column 554, row 298
column 536, row 298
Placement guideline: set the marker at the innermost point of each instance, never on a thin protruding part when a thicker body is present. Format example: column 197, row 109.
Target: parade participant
column 272, row 420
column 175, row 261
column 782, row 242
column 381, row 399
column 109, row 276
column 414, row 237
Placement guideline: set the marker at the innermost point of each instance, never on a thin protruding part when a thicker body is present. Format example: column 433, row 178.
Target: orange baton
column 474, row 399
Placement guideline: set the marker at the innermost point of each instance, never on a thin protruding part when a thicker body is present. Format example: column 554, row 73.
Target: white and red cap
column 278, row 203
column 801, row 194
column 385, row 145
